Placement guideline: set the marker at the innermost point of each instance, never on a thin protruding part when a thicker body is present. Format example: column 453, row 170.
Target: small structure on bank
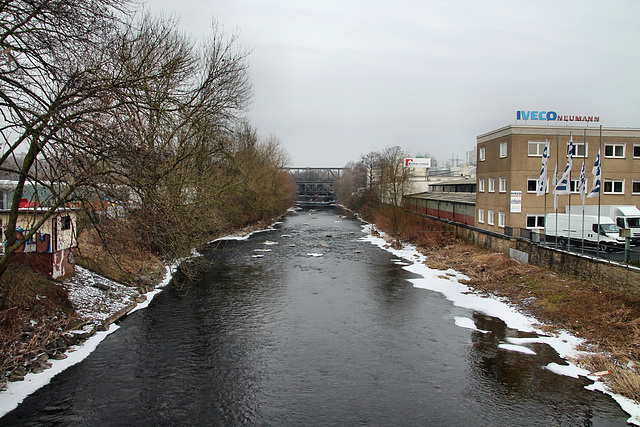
column 50, row 249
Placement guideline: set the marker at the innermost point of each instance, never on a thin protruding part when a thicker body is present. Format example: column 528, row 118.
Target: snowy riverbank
column 100, row 302
column 448, row 284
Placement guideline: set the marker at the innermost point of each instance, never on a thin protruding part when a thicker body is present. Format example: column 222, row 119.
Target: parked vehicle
column 625, row 216
column 607, row 237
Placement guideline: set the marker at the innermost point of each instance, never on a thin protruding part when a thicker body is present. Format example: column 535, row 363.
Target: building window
column 532, row 185
column 575, row 183
column 502, row 185
column 492, row 185
column 65, row 223
column 536, row 148
column 503, row 149
column 502, row 219
column 615, row 151
column 481, row 216
column 613, row 186
column 636, row 151
column 481, row 185
column 535, row 221
column 580, row 148
column 481, row 154
column 635, row 189
column 490, row 217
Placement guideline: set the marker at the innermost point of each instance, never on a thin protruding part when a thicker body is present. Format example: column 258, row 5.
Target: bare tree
column 129, row 111
column 352, row 184
column 394, row 177
column 52, row 89
column 180, row 121
column 259, row 188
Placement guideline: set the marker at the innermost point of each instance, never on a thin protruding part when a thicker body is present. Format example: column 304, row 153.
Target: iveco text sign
column 552, row 116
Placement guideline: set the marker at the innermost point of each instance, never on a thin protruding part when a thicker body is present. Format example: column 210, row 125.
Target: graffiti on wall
column 63, row 264
column 39, row 242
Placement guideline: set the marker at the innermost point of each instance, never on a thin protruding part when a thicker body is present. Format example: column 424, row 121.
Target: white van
column 607, row 237
column 625, row 216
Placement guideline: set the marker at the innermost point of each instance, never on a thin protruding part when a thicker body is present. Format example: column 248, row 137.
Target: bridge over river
column 316, row 185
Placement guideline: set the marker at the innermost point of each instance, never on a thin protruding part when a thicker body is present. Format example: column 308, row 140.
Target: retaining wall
column 614, row 276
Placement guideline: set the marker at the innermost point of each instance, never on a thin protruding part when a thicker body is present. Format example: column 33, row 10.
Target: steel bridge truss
column 315, row 185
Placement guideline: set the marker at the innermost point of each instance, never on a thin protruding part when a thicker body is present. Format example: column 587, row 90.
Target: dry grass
column 114, row 255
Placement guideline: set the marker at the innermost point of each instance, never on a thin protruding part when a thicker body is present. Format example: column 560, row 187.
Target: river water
column 309, row 325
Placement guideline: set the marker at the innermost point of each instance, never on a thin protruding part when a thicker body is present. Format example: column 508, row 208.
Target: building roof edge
column 554, row 130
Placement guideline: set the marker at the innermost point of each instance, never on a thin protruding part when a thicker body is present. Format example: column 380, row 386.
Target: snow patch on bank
column 465, row 322
column 95, row 298
column 447, row 283
column 518, row 348
column 16, row 392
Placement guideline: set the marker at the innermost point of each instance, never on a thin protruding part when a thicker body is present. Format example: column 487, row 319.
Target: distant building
column 458, row 185
column 457, row 207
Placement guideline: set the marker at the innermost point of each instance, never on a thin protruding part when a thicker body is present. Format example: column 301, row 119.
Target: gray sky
column 336, row 79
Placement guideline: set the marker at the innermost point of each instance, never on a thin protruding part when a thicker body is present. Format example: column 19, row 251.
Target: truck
column 625, row 216
column 605, row 236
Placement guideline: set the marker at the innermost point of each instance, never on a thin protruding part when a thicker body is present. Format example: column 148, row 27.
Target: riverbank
column 608, row 322
column 98, row 302
column 487, row 282
column 48, row 326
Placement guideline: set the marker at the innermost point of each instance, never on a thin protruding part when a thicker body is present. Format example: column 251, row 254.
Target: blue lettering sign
column 537, row 115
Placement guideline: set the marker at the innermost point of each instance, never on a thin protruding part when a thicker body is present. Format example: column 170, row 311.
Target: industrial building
column 509, row 165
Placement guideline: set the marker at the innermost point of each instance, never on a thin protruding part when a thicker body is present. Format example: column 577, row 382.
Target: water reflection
column 515, row 379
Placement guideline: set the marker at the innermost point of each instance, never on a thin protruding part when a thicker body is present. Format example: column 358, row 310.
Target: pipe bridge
column 315, row 185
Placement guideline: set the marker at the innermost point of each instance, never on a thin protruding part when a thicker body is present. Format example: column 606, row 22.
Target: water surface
column 309, row 325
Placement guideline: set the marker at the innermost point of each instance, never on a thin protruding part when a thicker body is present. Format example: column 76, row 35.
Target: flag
column 597, row 177
column 563, row 186
column 554, row 183
column 542, row 182
column 582, row 185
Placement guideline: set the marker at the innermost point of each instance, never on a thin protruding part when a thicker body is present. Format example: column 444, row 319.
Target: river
column 310, row 325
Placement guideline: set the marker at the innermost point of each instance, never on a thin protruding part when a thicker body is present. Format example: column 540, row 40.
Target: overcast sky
column 336, row 79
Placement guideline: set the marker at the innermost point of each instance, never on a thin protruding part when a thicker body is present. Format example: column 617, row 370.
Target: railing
column 630, row 257
column 611, row 253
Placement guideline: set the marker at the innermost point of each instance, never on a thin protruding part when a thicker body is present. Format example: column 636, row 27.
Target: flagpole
column 584, row 158
column 571, row 148
column 599, row 190
column 546, row 185
column 569, row 230
column 555, row 200
column 542, row 182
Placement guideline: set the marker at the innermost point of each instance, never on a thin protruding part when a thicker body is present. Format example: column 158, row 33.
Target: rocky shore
column 98, row 302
